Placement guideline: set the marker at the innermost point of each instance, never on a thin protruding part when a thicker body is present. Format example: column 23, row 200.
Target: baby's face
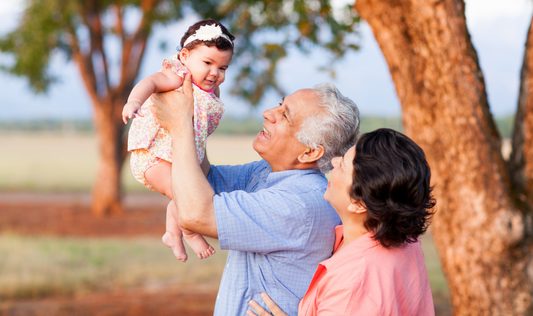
column 207, row 65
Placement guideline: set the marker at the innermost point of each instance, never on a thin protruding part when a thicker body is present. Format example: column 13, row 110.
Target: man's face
column 277, row 143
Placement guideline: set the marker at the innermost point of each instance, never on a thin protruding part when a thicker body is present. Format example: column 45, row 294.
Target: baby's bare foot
column 199, row 245
column 176, row 244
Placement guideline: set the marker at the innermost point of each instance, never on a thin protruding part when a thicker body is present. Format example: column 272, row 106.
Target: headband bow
column 207, row 33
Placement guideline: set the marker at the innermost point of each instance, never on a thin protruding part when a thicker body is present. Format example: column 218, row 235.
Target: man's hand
column 174, row 108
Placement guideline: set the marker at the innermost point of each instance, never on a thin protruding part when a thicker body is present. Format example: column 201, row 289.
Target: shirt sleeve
column 263, row 221
column 174, row 64
column 231, row 178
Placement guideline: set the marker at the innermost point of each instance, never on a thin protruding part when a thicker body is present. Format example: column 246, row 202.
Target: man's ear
column 357, row 207
column 184, row 54
column 311, row 155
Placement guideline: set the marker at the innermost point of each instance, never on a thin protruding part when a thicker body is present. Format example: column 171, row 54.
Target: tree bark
column 481, row 232
column 520, row 167
column 107, row 193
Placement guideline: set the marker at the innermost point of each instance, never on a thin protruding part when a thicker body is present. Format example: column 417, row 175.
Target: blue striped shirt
column 277, row 227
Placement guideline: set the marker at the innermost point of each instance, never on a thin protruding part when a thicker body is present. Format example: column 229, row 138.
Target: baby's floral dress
column 150, row 143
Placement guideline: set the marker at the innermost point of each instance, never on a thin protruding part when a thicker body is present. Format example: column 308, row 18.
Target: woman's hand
column 174, row 108
column 276, row 311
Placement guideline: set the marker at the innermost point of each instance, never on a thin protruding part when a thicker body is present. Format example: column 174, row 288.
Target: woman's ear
column 311, row 155
column 357, row 207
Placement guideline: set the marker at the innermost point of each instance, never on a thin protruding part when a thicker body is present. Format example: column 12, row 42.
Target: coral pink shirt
column 365, row 278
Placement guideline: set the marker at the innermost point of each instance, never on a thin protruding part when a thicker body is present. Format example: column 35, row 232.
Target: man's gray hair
column 336, row 127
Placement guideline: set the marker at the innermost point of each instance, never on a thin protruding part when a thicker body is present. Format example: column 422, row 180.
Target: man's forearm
column 192, row 192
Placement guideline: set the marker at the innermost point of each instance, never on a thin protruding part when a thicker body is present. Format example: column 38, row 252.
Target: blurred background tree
column 84, row 30
column 483, row 226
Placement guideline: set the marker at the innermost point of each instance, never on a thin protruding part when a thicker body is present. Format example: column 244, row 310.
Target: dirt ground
column 69, row 215
column 135, row 302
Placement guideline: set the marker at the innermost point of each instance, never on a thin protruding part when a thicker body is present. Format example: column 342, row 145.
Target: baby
column 207, row 49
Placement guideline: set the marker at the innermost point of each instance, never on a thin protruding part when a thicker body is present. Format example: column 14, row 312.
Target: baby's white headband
column 207, row 33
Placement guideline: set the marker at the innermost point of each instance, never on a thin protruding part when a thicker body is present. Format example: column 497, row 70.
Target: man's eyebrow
column 287, row 110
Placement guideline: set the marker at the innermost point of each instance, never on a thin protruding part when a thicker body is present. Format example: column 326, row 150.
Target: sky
column 498, row 30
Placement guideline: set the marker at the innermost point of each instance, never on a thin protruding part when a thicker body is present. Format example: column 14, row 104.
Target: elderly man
column 270, row 214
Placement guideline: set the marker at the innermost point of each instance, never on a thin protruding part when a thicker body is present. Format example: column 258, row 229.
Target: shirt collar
column 273, row 178
column 356, row 248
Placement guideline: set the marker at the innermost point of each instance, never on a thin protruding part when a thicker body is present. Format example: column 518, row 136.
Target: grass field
column 41, row 266
column 36, row 266
column 67, row 163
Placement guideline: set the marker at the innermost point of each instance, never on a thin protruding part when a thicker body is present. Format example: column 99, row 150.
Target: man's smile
column 265, row 132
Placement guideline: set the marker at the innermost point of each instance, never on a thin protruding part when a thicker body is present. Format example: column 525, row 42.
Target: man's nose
column 270, row 115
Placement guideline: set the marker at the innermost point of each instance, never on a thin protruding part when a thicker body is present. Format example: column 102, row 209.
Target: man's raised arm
column 192, row 192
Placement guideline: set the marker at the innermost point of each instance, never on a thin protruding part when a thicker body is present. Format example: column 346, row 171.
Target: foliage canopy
column 265, row 31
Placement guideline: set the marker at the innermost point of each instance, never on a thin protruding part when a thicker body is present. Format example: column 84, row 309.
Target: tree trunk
column 106, row 194
column 482, row 233
column 521, row 169
column 108, row 100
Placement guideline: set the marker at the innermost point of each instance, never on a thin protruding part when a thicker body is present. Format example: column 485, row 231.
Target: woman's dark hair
column 220, row 43
column 392, row 177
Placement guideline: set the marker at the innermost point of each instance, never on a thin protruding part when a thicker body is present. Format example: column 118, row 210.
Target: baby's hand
column 131, row 109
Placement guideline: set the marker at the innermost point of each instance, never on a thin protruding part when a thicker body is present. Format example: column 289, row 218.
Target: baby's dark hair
column 220, row 43
column 392, row 177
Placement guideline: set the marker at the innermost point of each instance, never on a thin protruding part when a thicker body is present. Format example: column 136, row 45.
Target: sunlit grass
column 35, row 267
column 47, row 162
column 67, row 163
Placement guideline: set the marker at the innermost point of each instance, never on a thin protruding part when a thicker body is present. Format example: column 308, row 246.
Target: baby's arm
column 162, row 81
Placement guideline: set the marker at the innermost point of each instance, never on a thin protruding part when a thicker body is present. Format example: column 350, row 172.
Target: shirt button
column 227, row 266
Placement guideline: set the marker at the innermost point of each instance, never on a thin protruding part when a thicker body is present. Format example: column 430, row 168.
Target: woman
column 381, row 190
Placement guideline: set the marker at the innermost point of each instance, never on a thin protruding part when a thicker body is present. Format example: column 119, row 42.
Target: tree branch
column 119, row 27
column 134, row 47
column 85, row 65
column 96, row 27
column 520, row 162
column 92, row 20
